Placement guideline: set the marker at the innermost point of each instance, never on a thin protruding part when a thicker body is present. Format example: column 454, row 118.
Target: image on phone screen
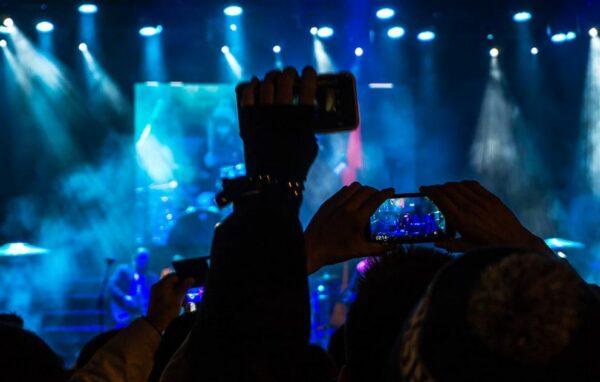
column 408, row 218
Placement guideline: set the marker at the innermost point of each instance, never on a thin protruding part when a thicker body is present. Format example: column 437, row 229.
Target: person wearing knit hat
column 502, row 315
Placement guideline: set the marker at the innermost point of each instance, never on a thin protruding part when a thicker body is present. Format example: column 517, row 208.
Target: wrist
column 159, row 324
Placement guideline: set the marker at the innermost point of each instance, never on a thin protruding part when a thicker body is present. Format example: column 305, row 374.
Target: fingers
column 308, row 87
column 285, row 86
column 248, row 92
column 267, row 88
column 444, row 203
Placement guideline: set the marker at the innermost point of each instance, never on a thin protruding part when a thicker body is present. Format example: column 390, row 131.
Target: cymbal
column 21, row 249
column 556, row 243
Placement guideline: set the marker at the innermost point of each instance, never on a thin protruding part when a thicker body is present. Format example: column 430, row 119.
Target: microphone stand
column 100, row 302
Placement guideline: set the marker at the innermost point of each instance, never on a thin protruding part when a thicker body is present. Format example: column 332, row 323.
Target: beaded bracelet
column 248, row 186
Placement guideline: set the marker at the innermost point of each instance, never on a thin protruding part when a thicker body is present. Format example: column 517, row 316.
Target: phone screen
column 193, row 297
column 408, row 218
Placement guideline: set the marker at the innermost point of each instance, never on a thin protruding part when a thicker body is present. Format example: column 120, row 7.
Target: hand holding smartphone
column 336, row 102
column 196, row 268
column 408, row 218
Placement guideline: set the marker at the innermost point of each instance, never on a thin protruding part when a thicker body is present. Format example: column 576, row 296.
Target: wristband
column 237, row 189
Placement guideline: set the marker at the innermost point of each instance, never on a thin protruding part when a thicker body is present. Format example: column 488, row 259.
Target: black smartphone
column 408, row 218
column 336, row 102
column 197, row 268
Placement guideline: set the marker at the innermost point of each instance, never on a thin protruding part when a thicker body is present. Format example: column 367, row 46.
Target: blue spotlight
column 233, row 27
column 490, row 36
column 559, row 38
column 6, row 30
column 494, row 52
column 426, row 36
column 521, row 17
column 276, row 49
column 8, row 22
column 395, row 32
column 325, row 32
column 359, row 52
column 385, row 13
column 88, row 9
column 3, row 43
column 534, row 51
column 224, row 49
column 44, row 26
column 83, row 47
column 593, row 32
column 314, row 31
column 151, row 31
column 233, row 10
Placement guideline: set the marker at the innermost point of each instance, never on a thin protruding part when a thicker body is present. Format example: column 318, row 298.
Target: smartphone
column 197, row 268
column 193, row 297
column 409, row 218
column 336, row 102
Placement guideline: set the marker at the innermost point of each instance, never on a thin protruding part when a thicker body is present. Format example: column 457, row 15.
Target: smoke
column 85, row 218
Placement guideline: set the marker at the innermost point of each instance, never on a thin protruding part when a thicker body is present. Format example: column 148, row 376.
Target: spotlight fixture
column 44, row 26
column 83, row 47
column 385, row 13
column 490, row 37
column 559, row 38
column 494, row 52
column 522, row 17
column 276, row 49
column 225, row 49
column 314, row 31
column 233, row 10
column 358, row 52
column 88, row 9
column 149, row 31
column 395, row 32
column 233, row 27
column 2, row 43
column 8, row 22
column 325, row 32
column 426, row 36
column 593, row 32
column 534, row 51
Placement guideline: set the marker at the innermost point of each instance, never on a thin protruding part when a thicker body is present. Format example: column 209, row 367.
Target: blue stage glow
column 2, row 43
column 358, row 52
column 276, row 49
column 395, row 32
column 44, row 26
column 88, row 9
column 224, row 49
column 490, row 36
column 83, row 47
column 426, row 36
column 151, row 31
column 534, row 51
column 385, row 13
column 521, row 17
column 233, row 27
column 6, row 30
column 233, row 10
column 325, row 32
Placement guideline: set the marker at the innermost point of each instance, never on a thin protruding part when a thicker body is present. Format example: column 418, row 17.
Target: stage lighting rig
column 385, row 13
column 87, row 9
column 396, row 32
column 44, row 26
column 276, row 49
column 358, row 52
column 534, row 51
column 426, row 35
column 325, row 32
column 522, row 16
column 149, row 31
column 233, row 10
column 593, row 32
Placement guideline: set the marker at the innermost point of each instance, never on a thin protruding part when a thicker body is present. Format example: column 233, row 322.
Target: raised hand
column 481, row 218
column 337, row 231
